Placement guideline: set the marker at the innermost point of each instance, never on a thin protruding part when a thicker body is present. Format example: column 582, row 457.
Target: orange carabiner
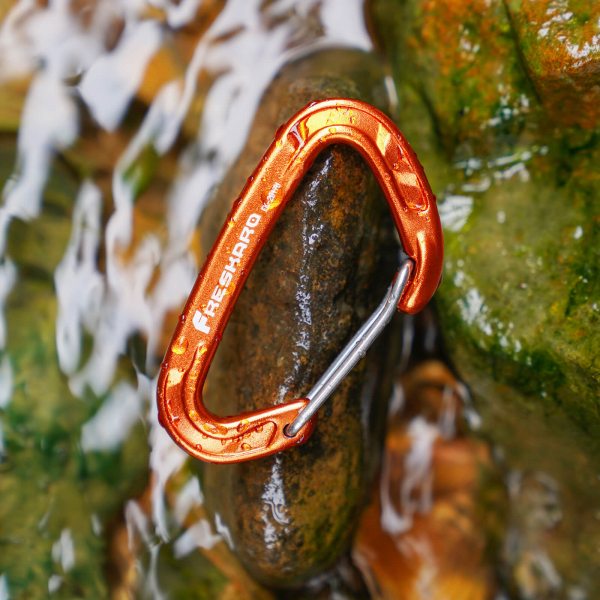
column 253, row 216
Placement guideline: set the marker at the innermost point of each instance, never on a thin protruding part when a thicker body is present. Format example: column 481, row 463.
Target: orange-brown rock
column 323, row 270
column 439, row 549
column 560, row 45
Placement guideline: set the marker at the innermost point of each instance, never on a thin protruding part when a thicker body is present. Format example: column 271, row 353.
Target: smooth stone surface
column 324, row 269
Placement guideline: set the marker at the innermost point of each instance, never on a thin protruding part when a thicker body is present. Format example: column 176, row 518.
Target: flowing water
column 140, row 87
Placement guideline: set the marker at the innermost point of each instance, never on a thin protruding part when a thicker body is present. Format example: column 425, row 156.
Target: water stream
column 179, row 83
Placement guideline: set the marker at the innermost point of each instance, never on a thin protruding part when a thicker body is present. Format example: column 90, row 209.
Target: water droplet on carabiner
column 179, row 346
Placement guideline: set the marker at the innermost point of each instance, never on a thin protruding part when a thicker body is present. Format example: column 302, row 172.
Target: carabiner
column 253, row 216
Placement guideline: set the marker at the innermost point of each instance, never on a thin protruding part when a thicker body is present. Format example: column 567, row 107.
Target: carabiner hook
column 253, row 216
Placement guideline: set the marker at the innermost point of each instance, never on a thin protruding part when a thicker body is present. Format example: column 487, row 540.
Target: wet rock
column 461, row 59
column 324, row 268
column 520, row 303
column 487, row 70
column 520, row 316
column 438, row 510
column 560, row 46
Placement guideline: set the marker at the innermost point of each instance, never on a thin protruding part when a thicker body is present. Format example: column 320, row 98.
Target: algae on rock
column 515, row 170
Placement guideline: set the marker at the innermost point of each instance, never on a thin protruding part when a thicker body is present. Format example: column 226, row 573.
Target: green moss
column 462, row 64
column 520, row 302
column 190, row 577
column 141, row 171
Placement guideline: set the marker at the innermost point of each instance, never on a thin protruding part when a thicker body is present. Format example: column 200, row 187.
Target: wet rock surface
column 325, row 267
column 438, row 511
column 513, row 163
column 560, row 48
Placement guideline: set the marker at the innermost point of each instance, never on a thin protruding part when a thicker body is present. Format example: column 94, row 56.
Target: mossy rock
column 519, row 194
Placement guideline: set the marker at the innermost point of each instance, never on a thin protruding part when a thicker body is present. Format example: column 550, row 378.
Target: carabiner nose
column 254, row 214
